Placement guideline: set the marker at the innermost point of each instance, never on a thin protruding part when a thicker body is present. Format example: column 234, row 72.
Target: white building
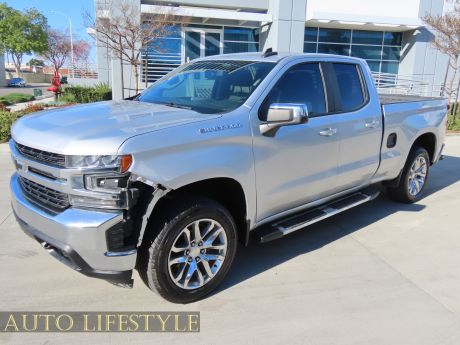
column 388, row 34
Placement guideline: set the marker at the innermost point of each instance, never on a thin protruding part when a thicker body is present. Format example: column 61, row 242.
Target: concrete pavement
column 382, row 273
column 29, row 89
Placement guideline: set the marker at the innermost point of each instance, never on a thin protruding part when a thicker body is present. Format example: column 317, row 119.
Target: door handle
column 371, row 124
column 328, row 132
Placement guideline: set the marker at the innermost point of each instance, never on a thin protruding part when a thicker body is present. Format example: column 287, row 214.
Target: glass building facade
column 381, row 50
column 193, row 41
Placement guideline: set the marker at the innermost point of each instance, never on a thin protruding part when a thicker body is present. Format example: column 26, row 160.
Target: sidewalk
column 20, row 106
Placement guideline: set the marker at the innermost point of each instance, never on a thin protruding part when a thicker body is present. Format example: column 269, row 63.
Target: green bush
column 6, row 120
column 87, row 94
column 454, row 124
column 13, row 98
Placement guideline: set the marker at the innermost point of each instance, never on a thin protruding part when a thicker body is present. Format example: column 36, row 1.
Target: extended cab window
column 301, row 84
column 350, row 86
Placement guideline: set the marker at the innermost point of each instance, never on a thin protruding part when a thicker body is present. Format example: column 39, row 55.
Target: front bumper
column 77, row 237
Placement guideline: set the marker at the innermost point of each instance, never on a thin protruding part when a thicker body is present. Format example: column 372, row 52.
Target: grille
column 47, row 197
column 42, row 156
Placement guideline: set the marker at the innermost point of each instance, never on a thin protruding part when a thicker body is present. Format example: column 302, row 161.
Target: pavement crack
column 4, row 220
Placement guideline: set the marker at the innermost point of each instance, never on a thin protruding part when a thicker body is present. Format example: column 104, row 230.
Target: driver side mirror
column 283, row 114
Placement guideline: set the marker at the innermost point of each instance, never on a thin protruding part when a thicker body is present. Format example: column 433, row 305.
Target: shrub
column 87, row 94
column 13, row 98
column 6, row 121
column 454, row 124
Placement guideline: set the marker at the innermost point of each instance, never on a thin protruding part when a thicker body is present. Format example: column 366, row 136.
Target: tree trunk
column 451, row 83
column 146, row 68
column 17, row 61
column 136, row 77
column 122, row 75
column 444, row 84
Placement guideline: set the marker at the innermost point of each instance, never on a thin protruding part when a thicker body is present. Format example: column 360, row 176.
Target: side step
column 301, row 220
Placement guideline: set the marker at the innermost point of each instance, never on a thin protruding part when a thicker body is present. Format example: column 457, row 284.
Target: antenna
column 269, row 52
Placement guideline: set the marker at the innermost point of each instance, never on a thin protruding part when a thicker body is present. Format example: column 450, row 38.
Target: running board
column 301, row 220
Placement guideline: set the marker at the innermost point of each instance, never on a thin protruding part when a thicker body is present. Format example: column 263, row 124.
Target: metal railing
column 410, row 85
column 83, row 73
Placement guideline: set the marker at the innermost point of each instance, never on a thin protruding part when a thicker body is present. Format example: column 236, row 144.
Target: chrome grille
column 47, row 197
column 44, row 157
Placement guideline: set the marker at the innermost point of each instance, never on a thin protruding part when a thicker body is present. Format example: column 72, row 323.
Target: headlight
column 121, row 163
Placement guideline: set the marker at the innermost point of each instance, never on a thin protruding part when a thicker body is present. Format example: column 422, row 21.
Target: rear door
column 360, row 125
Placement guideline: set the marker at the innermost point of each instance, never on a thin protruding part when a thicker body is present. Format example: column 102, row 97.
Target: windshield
column 208, row 87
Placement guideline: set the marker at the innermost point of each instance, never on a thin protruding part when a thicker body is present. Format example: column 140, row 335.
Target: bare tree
column 81, row 52
column 118, row 28
column 58, row 49
column 447, row 41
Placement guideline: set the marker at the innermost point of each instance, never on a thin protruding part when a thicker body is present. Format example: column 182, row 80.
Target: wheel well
column 225, row 191
column 428, row 142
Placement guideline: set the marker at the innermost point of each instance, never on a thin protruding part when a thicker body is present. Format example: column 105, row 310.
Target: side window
column 301, row 84
column 350, row 86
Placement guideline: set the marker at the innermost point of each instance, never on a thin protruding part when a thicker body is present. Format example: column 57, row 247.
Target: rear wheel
column 192, row 251
column 413, row 178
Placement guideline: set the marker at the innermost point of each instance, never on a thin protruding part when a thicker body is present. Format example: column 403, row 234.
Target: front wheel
column 192, row 252
column 414, row 177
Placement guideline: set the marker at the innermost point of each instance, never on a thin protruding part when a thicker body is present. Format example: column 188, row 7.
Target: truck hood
column 97, row 128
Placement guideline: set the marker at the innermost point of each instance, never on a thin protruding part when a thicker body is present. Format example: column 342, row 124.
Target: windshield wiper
column 174, row 105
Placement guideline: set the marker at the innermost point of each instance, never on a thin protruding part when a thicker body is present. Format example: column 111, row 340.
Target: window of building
column 301, row 84
column 162, row 56
column 350, row 86
column 240, row 40
column 380, row 49
column 165, row 54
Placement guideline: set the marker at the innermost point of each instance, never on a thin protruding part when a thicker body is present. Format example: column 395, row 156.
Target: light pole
column 71, row 39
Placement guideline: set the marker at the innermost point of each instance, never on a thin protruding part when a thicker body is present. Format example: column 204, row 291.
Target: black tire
column 161, row 235
column 401, row 192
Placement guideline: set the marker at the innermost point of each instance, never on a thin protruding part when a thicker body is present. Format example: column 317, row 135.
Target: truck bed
column 397, row 98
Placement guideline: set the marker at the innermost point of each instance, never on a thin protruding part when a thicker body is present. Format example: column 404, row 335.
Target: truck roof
column 276, row 57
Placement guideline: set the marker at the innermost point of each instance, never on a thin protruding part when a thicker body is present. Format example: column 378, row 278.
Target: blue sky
column 71, row 8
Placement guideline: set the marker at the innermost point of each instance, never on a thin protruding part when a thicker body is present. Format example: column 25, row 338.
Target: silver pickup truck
column 221, row 150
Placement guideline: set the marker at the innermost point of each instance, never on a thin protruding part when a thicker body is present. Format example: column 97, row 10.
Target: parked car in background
column 17, row 82
column 222, row 149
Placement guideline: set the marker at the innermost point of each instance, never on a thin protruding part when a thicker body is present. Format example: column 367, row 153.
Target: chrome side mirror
column 283, row 114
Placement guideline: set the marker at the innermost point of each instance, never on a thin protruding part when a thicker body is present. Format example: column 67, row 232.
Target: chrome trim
column 44, row 196
column 84, row 230
column 308, row 205
column 63, row 180
column 45, row 157
column 329, row 212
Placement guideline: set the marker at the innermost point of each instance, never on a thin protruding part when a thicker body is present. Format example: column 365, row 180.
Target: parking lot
column 382, row 273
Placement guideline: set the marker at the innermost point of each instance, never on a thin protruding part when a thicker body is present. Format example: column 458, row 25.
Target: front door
column 198, row 43
column 298, row 164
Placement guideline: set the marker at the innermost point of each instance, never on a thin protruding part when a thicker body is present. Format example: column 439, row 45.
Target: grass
column 454, row 126
column 13, row 98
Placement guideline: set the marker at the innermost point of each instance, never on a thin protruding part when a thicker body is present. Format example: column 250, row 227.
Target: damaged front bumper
column 80, row 238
